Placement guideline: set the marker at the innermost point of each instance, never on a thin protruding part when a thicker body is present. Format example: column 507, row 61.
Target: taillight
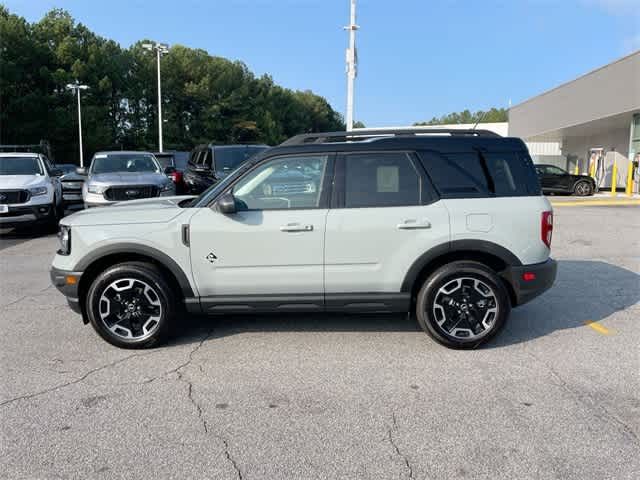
column 546, row 228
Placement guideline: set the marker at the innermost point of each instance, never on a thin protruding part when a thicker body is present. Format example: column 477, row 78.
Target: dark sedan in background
column 556, row 180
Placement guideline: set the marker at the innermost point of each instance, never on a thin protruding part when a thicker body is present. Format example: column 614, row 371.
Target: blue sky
column 418, row 58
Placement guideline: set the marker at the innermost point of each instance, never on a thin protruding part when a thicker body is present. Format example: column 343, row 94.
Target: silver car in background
column 120, row 175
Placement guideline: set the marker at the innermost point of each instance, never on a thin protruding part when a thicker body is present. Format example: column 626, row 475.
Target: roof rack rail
column 327, row 137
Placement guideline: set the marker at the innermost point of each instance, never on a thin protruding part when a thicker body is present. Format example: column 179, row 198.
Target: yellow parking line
column 588, row 203
column 598, row 328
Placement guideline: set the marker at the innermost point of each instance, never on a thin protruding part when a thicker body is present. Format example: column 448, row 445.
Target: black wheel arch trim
column 480, row 246
column 129, row 248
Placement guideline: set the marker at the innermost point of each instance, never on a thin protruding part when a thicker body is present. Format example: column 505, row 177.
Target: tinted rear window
column 481, row 174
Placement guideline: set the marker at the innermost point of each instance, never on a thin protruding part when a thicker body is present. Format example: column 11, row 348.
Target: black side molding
column 125, row 248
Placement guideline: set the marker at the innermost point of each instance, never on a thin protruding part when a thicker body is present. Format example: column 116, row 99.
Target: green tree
column 490, row 116
column 205, row 98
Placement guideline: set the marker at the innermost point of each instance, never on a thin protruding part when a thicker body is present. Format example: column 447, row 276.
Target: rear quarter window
column 481, row 174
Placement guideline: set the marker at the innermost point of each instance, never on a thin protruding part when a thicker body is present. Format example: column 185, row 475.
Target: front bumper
column 23, row 215
column 67, row 283
column 544, row 274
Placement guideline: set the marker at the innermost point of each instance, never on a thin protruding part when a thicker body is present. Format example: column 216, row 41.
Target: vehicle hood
column 129, row 178
column 73, row 177
column 151, row 210
column 8, row 182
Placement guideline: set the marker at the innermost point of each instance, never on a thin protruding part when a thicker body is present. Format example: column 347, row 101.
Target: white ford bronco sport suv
column 30, row 190
column 448, row 225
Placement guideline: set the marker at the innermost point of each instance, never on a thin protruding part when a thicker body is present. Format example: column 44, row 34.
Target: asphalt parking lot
column 335, row 397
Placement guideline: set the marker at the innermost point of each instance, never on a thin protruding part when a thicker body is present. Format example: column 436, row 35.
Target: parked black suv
column 209, row 163
column 556, row 180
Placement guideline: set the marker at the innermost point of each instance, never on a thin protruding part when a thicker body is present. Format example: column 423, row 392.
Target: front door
column 270, row 253
column 385, row 219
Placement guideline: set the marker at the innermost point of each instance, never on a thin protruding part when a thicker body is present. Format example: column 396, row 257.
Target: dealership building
column 587, row 124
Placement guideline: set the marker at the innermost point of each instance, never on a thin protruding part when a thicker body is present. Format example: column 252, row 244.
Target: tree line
column 466, row 116
column 204, row 98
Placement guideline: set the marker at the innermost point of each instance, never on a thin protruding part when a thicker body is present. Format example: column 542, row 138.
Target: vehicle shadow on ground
column 584, row 291
column 10, row 237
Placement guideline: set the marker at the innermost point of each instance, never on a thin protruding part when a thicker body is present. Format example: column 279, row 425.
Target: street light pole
column 352, row 60
column 76, row 87
column 161, row 49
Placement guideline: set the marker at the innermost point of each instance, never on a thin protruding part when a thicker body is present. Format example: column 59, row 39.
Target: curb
column 596, row 203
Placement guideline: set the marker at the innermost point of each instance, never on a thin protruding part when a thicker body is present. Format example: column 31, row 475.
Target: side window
column 283, row 183
column 206, row 158
column 501, row 174
column 509, row 173
column 193, row 157
column 456, row 175
column 381, row 180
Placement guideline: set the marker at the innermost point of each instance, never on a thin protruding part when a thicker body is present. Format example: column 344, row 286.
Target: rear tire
column 462, row 305
column 583, row 189
column 131, row 305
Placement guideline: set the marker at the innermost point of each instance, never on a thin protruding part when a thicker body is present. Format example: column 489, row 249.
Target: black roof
column 441, row 140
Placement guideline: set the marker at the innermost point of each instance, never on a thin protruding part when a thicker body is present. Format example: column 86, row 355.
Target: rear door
column 384, row 215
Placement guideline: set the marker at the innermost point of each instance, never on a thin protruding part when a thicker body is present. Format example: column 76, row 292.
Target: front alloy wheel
column 131, row 305
column 130, row 308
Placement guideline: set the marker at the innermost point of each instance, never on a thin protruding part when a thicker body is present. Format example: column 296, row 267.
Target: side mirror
column 56, row 172
column 227, row 204
column 81, row 171
column 169, row 170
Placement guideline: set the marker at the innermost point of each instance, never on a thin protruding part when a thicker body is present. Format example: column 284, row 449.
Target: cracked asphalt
column 333, row 397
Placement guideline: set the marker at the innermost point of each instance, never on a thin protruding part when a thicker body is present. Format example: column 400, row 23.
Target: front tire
column 462, row 305
column 583, row 189
column 131, row 305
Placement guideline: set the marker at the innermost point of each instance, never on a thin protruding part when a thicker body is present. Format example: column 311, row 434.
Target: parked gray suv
column 118, row 176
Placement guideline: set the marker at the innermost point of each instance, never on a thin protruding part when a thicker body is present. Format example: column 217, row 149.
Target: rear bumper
column 526, row 290
column 60, row 279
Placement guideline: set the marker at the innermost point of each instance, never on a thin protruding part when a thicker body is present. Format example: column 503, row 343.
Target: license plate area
column 4, row 208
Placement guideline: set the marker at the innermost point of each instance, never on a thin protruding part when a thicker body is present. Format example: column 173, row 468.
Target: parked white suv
column 448, row 225
column 30, row 190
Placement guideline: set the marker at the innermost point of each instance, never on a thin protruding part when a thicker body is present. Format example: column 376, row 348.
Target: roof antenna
column 484, row 114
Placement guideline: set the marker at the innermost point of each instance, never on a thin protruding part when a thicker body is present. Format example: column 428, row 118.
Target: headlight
column 166, row 187
column 96, row 189
column 64, row 236
column 38, row 191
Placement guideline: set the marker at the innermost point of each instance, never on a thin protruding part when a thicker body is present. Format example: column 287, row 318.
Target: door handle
column 296, row 227
column 414, row 225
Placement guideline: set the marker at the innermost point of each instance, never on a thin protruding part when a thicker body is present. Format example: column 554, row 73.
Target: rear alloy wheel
column 462, row 304
column 583, row 189
column 130, row 305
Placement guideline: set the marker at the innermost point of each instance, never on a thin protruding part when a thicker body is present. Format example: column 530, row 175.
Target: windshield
column 20, row 166
column 124, row 162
